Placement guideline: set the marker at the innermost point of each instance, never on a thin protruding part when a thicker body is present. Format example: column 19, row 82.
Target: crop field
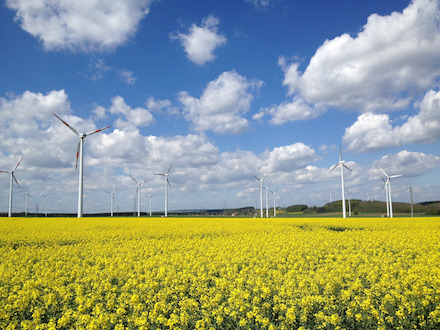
column 219, row 273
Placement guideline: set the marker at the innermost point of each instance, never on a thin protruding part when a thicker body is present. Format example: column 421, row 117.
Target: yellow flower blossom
column 214, row 273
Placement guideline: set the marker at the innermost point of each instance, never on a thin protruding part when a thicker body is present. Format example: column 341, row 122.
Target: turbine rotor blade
column 17, row 164
column 333, row 167
column 256, row 177
column 170, row 168
column 15, row 180
column 340, row 152
column 168, row 181
column 77, row 154
column 395, row 176
column 264, row 177
column 347, row 167
column 71, row 128
column 98, row 130
column 384, row 173
column 134, row 179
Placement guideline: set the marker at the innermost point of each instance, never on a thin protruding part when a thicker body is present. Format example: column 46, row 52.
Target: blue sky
column 224, row 91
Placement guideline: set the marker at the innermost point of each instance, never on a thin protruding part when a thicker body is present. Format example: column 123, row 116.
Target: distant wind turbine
column 261, row 192
column 45, row 211
column 267, row 201
column 138, row 193
column 342, row 164
column 389, row 189
column 349, row 203
column 167, row 183
column 26, row 194
column 151, row 196
column 274, row 203
column 412, row 205
column 80, row 154
column 10, row 186
column 112, row 199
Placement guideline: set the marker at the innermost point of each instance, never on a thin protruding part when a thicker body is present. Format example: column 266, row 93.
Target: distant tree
column 297, row 208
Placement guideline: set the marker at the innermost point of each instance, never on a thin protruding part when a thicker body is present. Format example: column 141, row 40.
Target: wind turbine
column 167, row 183
column 261, row 192
column 385, row 188
column 267, row 203
column 45, row 211
column 112, row 199
column 412, row 205
column 342, row 164
column 26, row 202
column 349, row 203
column 151, row 196
column 389, row 189
column 10, row 186
column 80, row 154
column 274, row 203
column 138, row 193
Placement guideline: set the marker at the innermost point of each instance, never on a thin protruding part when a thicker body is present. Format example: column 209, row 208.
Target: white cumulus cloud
column 289, row 158
column 407, row 163
column 222, row 104
column 389, row 64
column 80, row 25
column 375, row 131
column 127, row 116
column 201, row 41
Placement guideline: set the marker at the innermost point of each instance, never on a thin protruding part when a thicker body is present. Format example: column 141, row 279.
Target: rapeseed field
column 219, row 273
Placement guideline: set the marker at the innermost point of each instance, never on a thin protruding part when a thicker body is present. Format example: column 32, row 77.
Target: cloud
column 97, row 70
column 200, row 42
column 83, row 25
column 297, row 109
column 289, row 158
column 259, row 4
column 28, row 128
column 222, row 104
column 126, row 77
column 127, row 117
column 391, row 62
column 407, row 163
column 161, row 105
column 375, row 131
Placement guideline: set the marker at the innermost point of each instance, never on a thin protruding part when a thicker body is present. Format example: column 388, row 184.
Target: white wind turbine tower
column 26, row 201
column 389, row 189
column 112, row 199
column 138, row 193
column 385, row 188
column 267, row 200
column 342, row 164
column 10, row 186
column 274, row 203
column 151, row 196
column 80, row 154
column 349, row 203
column 45, row 211
column 167, row 183
column 261, row 192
